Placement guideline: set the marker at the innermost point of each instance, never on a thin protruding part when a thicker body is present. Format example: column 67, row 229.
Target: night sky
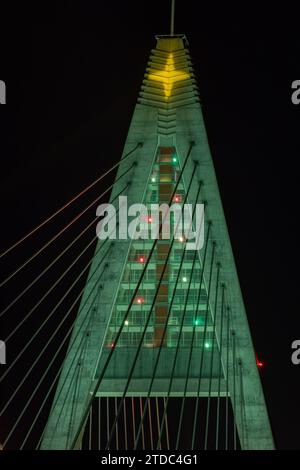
column 73, row 75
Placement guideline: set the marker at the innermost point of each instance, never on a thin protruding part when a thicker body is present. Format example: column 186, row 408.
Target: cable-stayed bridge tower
column 160, row 354
column 161, row 327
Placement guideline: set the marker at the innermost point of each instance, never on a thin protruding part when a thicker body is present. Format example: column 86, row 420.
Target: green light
column 153, row 179
column 207, row 345
column 174, row 159
column 196, row 322
column 184, row 279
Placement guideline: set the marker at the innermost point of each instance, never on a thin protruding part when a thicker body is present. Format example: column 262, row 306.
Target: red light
column 177, row 198
column 259, row 363
column 149, row 220
column 140, row 300
column 141, row 259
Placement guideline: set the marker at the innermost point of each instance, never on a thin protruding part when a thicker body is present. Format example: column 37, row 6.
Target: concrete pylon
column 166, row 119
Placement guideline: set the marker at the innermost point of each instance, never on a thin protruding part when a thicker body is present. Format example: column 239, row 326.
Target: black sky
column 73, row 74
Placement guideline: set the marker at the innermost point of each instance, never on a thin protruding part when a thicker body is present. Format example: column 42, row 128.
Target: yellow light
column 169, row 76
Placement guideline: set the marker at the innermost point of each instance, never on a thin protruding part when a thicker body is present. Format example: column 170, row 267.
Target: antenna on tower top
column 172, row 17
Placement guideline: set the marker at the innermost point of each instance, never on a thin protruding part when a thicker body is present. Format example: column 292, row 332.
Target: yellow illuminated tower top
column 169, row 75
column 169, row 81
column 169, row 78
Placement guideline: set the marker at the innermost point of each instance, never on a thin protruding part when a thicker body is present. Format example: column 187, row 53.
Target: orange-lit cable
column 8, row 250
column 49, row 242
